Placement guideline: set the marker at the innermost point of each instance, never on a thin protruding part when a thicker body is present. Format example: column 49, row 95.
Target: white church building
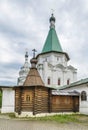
column 55, row 72
column 52, row 62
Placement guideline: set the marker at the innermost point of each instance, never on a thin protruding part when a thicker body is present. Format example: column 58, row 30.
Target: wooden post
column 20, row 101
column 49, row 101
column 34, row 101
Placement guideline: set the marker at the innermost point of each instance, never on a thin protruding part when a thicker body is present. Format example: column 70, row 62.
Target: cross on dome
column 34, row 50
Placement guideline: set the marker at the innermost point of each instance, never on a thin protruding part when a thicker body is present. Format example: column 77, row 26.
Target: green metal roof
column 52, row 43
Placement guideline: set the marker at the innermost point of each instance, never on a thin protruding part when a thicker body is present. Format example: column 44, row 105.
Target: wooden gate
column 65, row 103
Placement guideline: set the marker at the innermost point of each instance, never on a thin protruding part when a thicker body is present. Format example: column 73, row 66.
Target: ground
column 7, row 123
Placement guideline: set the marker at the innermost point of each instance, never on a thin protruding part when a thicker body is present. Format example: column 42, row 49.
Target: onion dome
column 52, row 18
column 52, row 21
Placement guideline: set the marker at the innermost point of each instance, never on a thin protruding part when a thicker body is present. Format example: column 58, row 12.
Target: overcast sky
column 25, row 24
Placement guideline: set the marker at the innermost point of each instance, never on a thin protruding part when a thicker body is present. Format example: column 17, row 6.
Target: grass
column 11, row 115
column 60, row 118
column 78, row 118
column 57, row 118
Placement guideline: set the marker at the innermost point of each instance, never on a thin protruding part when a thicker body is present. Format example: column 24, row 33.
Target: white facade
column 54, row 66
column 8, row 100
column 83, row 105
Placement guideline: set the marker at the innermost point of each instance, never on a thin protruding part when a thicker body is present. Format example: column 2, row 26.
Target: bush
column 0, row 99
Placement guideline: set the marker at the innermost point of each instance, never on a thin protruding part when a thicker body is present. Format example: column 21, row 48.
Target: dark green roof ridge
column 54, row 52
column 79, row 82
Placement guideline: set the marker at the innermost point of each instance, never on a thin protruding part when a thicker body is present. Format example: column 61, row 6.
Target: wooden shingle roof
column 33, row 78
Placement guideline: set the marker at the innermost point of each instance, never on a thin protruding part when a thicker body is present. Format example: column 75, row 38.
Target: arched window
column 83, row 96
column 59, row 81
column 48, row 81
column 68, row 81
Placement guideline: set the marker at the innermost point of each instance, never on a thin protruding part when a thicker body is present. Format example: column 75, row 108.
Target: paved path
column 8, row 124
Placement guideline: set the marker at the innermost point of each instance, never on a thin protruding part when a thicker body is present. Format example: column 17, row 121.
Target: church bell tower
column 53, row 61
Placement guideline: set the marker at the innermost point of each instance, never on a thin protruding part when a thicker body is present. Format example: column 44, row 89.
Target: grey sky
column 25, row 24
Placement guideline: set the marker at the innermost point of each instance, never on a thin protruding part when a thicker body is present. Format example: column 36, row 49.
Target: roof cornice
column 53, row 52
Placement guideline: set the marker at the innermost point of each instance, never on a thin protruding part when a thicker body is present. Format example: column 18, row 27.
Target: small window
column 48, row 81
column 68, row 81
column 45, row 59
column 83, row 96
column 59, row 82
column 27, row 98
column 57, row 58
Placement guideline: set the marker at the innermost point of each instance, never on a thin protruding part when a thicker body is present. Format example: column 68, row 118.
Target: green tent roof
column 52, row 43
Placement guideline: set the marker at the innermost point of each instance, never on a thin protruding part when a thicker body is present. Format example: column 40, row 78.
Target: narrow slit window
column 59, row 81
column 48, row 81
column 68, row 81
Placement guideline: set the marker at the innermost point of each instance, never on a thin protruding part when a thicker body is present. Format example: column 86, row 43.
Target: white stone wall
column 83, row 105
column 8, row 100
column 53, row 58
column 54, row 65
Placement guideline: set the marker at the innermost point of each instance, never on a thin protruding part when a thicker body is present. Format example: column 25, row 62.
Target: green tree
column 0, row 99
